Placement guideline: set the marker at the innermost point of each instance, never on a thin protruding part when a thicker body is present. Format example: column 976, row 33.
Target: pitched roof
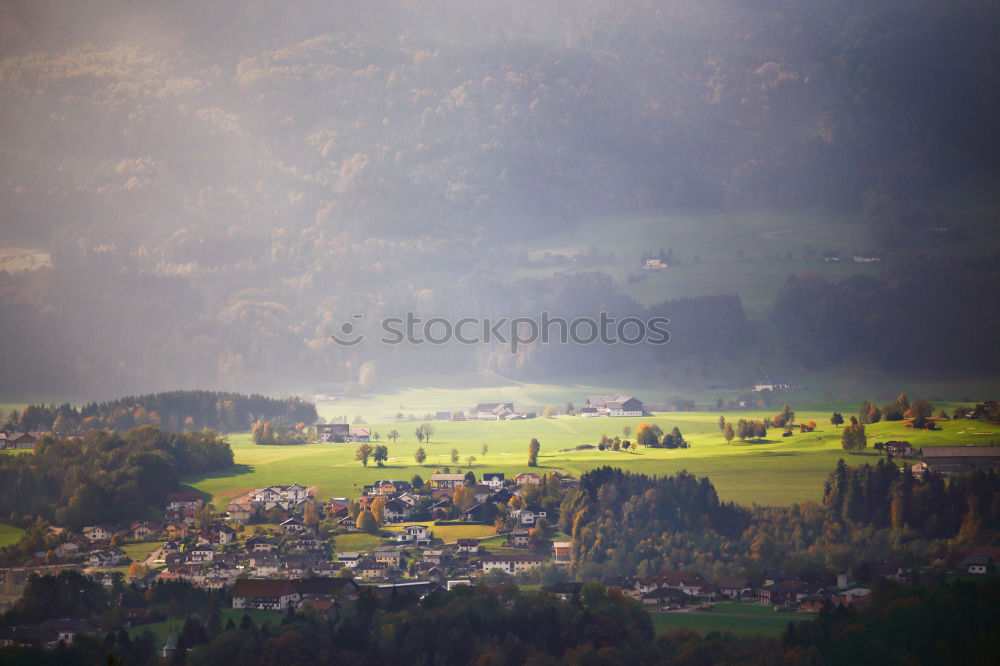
column 259, row 587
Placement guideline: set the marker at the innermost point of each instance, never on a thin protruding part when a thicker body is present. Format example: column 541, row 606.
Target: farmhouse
column 528, row 515
column 361, row 434
column 68, row 629
column 519, row 537
column 17, row 440
column 265, row 594
column 144, row 530
column 494, row 411
column 897, row 448
column 961, row 459
column 415, row 534
column 98, row 532
column 440, row 480
column 511, row 564
column 771, row 384
column 239, row 513
column 525, row 478
column 333, row 432
column 615, row 405
column 467, row 545
column 494, row 480
column 387, row 555
column 562, row 551
column 283, row 496
column 396, row 511
column 734, row 587
column 181, row 501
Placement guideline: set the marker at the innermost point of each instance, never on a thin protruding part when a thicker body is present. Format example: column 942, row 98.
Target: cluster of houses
column 675, row 589
column 218, row 552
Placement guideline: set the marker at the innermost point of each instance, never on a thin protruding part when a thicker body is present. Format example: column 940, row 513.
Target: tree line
column 505, row 625
column 918, row 313
column 624, row 522
column 104, row 476
column 172, row 410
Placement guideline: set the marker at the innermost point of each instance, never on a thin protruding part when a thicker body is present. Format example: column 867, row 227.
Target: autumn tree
column 420, row 456
column 363, row 453
column 728, row 433
column 454, row 456
column 377, row 509
column 310, row 514
column 533, row 448
column 549, row 412
column 648, row 434
column 366, row 522
column 853, row 438
column 787, row 415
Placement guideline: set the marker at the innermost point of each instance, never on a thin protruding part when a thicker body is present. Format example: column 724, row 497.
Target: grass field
column 9, row 534
column 140, row 551
column 746, row 473
column 740, row 619
column 161, row 629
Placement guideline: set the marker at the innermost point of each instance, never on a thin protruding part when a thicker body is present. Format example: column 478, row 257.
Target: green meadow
column 775, row 471
column 9, row 534
column 739, row 618
column 161, row 629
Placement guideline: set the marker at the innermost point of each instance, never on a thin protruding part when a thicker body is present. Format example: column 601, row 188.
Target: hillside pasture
column 773, row 471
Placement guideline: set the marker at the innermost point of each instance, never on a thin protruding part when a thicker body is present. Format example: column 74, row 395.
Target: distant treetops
column 172, row 410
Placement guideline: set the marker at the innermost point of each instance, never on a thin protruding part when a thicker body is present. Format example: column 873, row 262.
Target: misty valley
column 573, row 332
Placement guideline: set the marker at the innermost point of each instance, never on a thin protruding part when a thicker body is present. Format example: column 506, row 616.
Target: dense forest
column 104, row 477
column 174, row 410
column 505, row 626
column 219, row 187
column 625, row 522
column 918, row 313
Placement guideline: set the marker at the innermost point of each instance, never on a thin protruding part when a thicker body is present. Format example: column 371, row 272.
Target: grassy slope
column 745, row 473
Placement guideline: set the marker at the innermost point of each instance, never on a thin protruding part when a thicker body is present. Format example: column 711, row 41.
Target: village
column 283, row 546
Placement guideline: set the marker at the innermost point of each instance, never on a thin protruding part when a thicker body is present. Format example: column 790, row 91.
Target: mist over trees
column 219, row 186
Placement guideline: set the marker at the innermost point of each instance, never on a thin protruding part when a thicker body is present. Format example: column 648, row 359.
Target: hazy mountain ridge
column 221, row 186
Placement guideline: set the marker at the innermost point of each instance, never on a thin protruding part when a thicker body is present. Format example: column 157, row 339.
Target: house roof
column 259, row 587
column 733, row 582
column 513, row 558
column 439, row 476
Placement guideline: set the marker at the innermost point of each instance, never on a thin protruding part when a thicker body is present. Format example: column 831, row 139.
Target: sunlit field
column 775, row 471
column 9, row 534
